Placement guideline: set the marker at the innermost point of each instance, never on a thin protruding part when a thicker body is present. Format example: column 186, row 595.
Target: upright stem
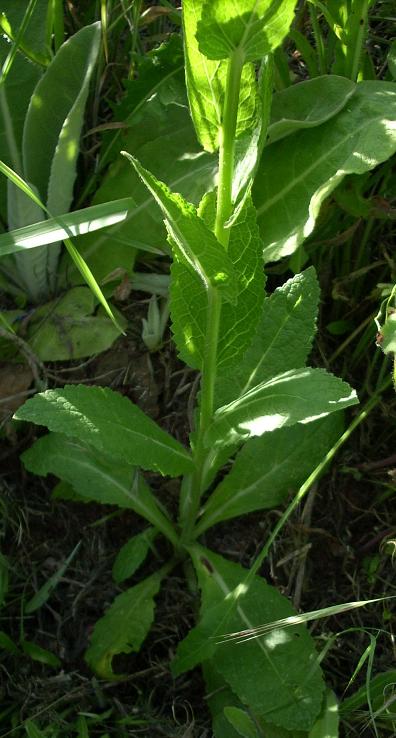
column 193, row 485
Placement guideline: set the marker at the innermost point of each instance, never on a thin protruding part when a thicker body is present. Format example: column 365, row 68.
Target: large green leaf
column 297, row 173
column 283, row 338
column 269, row 468
column 237, row 322
column 110, row 423
column 308, row 104
column 52, row 131
column 23, row 211
column 276, row 676
column 206, row 80
column 254, row 27
column 71, row 327
column 297, row 396
column 194, row 244
column 52, row 230
column 123, row 627
column 95, row 478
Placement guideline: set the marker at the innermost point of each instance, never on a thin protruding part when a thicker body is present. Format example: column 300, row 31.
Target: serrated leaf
column 123, row 627
column 253, row 27
column 268, row 469
column 95, row 477
column 299, row 172
column 237, row 322
column 206, row 80
column 297, row 396
column 277, row 677
column 328, row 722
column 110, row 423
column 194, row 244
column 132, row 554
column 282, row 340
column 308, row 104
column 49, row 231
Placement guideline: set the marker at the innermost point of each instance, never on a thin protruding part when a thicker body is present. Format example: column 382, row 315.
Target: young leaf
column 41, row 597
column 297, row 396
column 241, row 722
column 254, row 28
column 269, row 468
column 123, row 627
column 299, row 172
column 206, row 81
column 96, row 478
column 51, row 230
column 110, row 423
column 308, row 104
column 132, row 554
column 328, row 722
column 283, row 338
column 277, row 677
column 194, row 244
column 237, row 322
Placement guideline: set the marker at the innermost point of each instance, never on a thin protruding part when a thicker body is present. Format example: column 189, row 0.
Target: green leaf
column 237, row 322
column 308, row 104
column 241, row 722
column 95, row 477
column 297, row 396
column 52, row 230
column 51, row 132
column 379, row 687
column 132, row 555
column 219, row 696
column 253, row 27
column 388, row 333
column 206, row 80
column 4, row 578
column 277, row 676
column 110, row 423
column 193, row 243
column 124, row 626
column 36, row 653
column 328, row 723
column 71, row 328
column 268, row 469
column 299, row 172
column 43, row 594
column 283, row 338
column 391, row 58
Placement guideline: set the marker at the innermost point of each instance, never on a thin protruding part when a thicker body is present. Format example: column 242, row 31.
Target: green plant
column 259, row 405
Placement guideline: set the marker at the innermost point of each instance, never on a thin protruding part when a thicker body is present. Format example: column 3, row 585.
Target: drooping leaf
column 206, row 80
column 308, row 104
column 277, row 677
column 270, row 468
column 110, row 423
column 95, row 477
column 237, row 322
column 51, row 230
column 123, row 627
column 132, row 554
column 328, row 722
column 194, row 244
column 254, row 27
column 71, row 327
column 297, row 173
column 283, row 338
column 297, row 396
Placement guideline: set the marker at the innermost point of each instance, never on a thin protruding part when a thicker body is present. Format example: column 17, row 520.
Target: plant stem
column 227, row 146
column 192, row 487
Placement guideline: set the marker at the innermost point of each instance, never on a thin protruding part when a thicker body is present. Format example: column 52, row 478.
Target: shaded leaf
column 268, row 469
column 328, row 722
column 43, row 594
column 96, row 478
column 36, row 653
column 123, row 627
column 110, row 423
column 132, row 554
